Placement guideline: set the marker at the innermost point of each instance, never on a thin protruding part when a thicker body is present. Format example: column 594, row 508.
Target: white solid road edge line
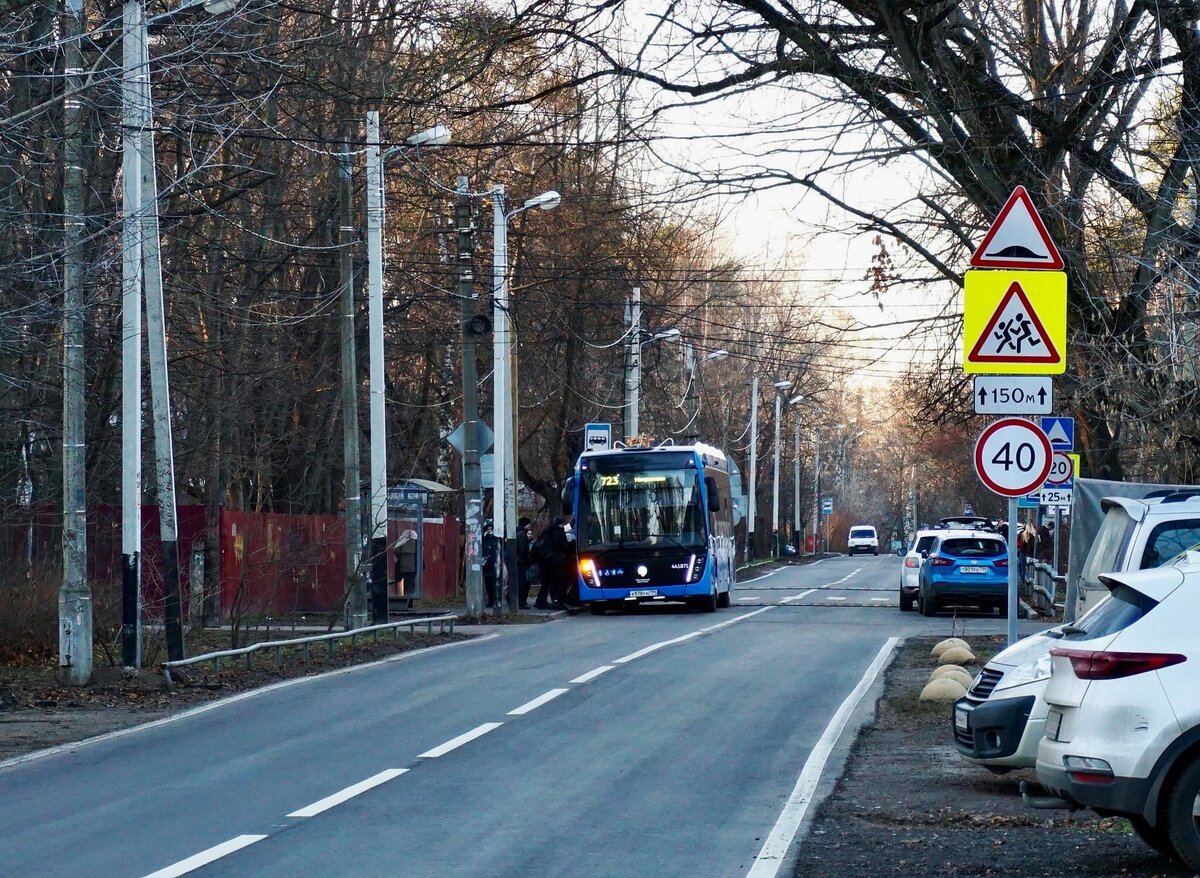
column 455, row 743
column 537, row 702
column 205, row 857
column 348, row 793
column 592, row 674
column 232, row 699
column 770, row 858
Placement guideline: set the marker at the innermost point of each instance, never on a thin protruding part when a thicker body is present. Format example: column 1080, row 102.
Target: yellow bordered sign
column 1015, row 322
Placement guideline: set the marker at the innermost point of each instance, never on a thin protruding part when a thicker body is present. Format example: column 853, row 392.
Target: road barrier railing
column 306, row 643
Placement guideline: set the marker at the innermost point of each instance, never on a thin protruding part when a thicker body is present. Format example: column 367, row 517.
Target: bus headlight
column 695, row 568
column 587, row 567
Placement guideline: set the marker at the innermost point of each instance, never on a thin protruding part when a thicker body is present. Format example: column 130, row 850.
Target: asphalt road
column 661, row 742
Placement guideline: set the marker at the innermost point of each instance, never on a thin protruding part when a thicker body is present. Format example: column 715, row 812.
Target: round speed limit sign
column 1013, row 457
column 1061, row 469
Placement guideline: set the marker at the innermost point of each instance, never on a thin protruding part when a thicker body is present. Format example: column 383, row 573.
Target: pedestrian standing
column 524, row 561
column 552, row 551
column 490, row 563
column 404, row 554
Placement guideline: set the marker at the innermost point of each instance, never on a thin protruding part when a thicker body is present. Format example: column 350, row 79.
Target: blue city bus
column 651, row 525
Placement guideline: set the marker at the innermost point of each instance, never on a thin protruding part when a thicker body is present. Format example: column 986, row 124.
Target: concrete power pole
column 796, row 530
column 356, row 594
column 156, row 337
column 379, row 515
column 75, row 595
column 752, row 494
column 131, row 341
column 816, row 484
column 633, row 361
column 473, row 512
column 691, row 395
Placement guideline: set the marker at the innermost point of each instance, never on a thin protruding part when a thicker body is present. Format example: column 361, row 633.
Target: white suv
column 1123, row 728
column 862, row 539
column 999, row 722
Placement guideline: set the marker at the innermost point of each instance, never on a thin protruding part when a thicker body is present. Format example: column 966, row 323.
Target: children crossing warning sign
column 1018, row 238
column 1015, row 322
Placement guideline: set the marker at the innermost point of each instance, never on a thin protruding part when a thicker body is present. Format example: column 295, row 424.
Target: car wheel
column 723, row 599
column 1155, row 836
column 598, row 608
column 1002, row 609
column 876, row 552
column 1180, row 820
column 929, row 606
column 906, row 602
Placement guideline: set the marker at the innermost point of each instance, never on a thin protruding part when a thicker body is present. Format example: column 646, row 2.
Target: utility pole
column 752, row 496
column 473, row 517
column 379, row 599
column 503, row 518
column 775, row 490
column 816, row 484
column 131, row 339
column 356, row 594
column 75, row 595
column 156, row 336
column 633, row 361
column 796, row 535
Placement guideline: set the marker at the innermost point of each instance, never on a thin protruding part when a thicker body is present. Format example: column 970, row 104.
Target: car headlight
column 1030, row 672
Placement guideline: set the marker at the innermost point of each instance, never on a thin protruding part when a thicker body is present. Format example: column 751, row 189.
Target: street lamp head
column 438, row 135
column 219, row 7
column 546, row 201
column 717, row 355
column 782, row 385
column 673, row 332
column 795, row 399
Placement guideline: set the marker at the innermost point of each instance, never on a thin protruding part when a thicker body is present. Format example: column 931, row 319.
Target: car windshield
column 972, row 547
column 630, row 501
column 862, row 533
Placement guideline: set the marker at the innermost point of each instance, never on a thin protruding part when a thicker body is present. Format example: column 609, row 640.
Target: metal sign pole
column 1013, row 580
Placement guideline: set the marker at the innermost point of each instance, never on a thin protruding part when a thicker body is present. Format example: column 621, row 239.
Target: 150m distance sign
column 1013, row 394
column 1013, row 457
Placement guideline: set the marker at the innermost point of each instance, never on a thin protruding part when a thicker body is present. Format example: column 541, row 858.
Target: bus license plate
column 972, row 570
column 644, row 593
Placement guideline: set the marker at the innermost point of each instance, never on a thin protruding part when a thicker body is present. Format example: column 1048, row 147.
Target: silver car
column 910, row 570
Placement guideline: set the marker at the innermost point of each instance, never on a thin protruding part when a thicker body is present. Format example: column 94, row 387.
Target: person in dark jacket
column 553, row 560
column 524, row 561
column 490, row 562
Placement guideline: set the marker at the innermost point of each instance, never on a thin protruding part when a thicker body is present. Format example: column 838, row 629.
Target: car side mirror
column 925, row 554
column 901, row 552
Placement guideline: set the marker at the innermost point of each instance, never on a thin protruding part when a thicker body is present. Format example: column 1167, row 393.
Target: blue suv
column 964, row 567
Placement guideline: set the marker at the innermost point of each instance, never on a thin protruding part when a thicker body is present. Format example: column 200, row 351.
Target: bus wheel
column 598, row 608
column 723, row 599
column 708, row 604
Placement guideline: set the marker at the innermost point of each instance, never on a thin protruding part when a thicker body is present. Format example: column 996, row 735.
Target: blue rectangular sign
column 1030, row 502
column 1060, row 432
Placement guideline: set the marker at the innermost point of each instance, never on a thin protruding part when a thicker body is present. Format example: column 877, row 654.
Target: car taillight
column 912, row 562
column 941, row 562
column 1099, row 665
column 1001, row 562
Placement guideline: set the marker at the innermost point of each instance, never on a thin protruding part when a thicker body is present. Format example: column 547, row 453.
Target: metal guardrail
column 1043, row 586
column 306, row 642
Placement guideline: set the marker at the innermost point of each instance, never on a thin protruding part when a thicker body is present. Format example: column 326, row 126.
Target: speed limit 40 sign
column 1013, row 457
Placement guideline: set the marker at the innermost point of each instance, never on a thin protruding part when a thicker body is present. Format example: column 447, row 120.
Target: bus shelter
column 408, row 503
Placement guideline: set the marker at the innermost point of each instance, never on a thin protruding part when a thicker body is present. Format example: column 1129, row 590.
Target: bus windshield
column 633, row 502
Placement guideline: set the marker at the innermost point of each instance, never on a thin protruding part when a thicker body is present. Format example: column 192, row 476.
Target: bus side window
column 714, row 496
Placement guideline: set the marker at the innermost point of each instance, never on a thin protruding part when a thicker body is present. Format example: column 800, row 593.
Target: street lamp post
column 691, row 394
column 780, row 387
column 504, row 412
column 436, row 136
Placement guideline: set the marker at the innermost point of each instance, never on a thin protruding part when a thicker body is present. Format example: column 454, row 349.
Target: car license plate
column 960, row 718
column 644, row 593
column 1053, row 724
column 972, row 570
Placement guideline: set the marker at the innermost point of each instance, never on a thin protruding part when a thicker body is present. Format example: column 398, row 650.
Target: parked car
column 1123, row 726
column 964, row 567
column 862, row 539
column 910, row 571
column 999, row 723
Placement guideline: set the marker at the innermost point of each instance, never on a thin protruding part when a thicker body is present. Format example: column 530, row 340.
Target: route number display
column 1013, row 457
column 1062, row 471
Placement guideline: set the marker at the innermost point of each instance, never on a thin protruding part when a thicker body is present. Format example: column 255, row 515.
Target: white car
column 862, row 539
column 1122, row 732
column 910, row 571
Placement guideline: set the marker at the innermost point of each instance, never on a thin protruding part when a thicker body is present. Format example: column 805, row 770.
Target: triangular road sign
column 1014, row 334
column 1018, row 238
column 1057, row 435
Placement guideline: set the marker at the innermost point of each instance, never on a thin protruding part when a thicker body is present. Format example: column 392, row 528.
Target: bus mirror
column 568, row 497
column 714, row 498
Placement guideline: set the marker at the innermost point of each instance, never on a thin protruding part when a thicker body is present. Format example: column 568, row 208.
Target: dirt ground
column 907, row 805
column 35, row 712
